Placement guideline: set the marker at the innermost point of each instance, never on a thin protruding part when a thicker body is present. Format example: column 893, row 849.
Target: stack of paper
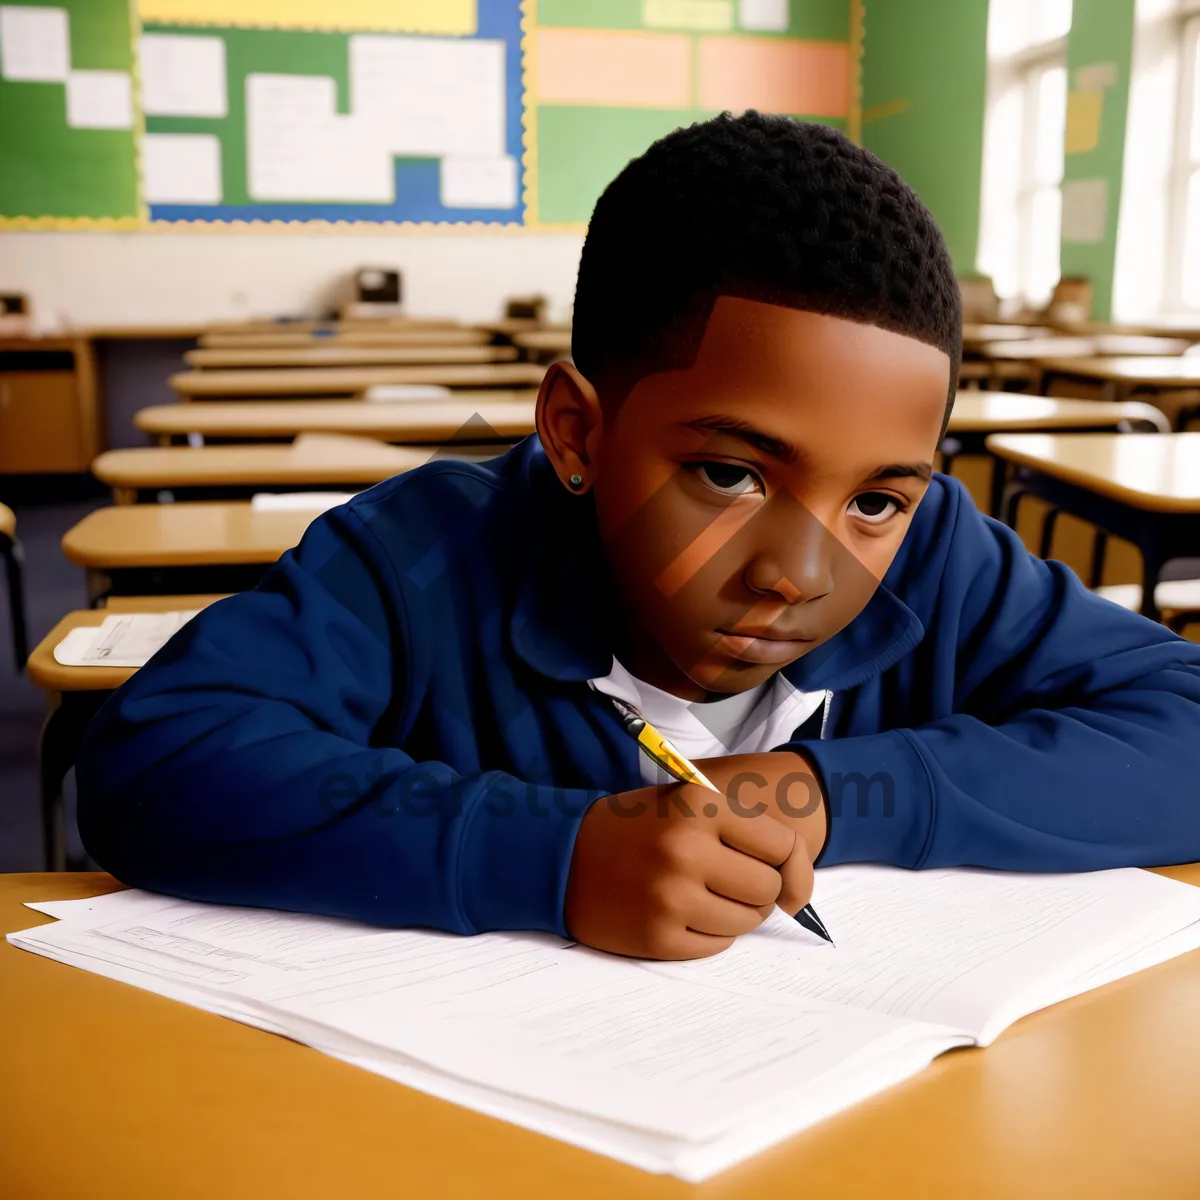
column 684, row 1068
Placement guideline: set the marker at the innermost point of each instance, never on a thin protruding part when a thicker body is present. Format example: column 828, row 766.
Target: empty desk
column 161, row 549
column 347, row 356
column 978, row 414
column 319, row 461
column 1143, row 488
column 350, row 381
column 468, row 416
column 345, row 337
column 1122, row 377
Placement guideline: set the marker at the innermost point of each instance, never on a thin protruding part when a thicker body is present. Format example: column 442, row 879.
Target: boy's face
column 750, row 505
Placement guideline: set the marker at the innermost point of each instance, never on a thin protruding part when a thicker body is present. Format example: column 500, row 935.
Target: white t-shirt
column 752, row 722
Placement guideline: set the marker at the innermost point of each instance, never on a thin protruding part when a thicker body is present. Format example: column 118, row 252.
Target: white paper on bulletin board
column 1084, row 211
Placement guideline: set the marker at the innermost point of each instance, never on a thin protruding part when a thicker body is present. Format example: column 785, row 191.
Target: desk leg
column 951, row 448
column 999, row 481
column 1047, row 541
column 57, row 747
column 1151, row 569
column 1099, row 550
column 13, row 557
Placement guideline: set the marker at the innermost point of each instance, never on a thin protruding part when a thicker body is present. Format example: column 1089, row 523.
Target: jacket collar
column 561, row 620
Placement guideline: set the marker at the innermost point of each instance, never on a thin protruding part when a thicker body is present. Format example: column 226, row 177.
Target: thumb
column 797, row 874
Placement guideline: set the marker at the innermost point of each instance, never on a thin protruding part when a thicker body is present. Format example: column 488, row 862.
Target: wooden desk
column 476, row 416
column 142, row 333
column 1107, row 345
column 315, row 460
column 975, row 334
column 1121, row 378
column 73, row 696
column 978, row 414
column 348, row 337
column 283, row 325
column 545, row 344
column 156, row 549
column 349, row 381
column 1145, row 489
column 1094, row 1097
column 348, row 356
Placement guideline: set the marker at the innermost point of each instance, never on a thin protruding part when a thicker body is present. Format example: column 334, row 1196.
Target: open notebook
column 682, row 1068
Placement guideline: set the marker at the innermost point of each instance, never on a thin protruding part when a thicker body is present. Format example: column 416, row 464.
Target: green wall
column 924, row 86
column 1100, row 47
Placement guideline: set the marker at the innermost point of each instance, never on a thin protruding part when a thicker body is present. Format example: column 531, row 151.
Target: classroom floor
column 52, row 587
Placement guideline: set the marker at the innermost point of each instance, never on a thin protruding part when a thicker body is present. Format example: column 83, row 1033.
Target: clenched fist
column 679, row 872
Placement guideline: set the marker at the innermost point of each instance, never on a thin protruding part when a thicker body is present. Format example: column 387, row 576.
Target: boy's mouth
column 762, row 647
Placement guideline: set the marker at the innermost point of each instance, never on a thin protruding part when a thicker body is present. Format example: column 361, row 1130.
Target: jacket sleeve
column 1066, row 733
column 239, row 766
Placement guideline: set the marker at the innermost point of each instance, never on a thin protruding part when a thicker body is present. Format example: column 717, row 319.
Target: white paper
column 1084, row 211
column 183, row 76
column 316, row 502
column 122, row 640
column 1096, row 77
column 478, row 182
column 35, row 44
column 394, row 393
column 769, row 16
column 301, row 149
column 430, row 97
column 682, row 1068
column 181, row 168
column 99, row 100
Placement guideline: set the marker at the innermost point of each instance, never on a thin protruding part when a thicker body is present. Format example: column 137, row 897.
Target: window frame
column 1185, row 162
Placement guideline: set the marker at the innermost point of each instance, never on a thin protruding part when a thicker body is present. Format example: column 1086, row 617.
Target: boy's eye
column 728, row 478
column 874, row 507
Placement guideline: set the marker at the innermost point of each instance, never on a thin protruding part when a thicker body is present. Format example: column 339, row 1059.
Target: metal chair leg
column 14, row 556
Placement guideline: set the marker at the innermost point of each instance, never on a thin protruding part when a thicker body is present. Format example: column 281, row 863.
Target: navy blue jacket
column 395, row 726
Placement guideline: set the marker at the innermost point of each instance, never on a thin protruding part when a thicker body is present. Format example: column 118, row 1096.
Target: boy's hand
column 679, row 872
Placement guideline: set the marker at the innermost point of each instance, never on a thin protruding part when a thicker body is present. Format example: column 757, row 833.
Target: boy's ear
column 570, row 424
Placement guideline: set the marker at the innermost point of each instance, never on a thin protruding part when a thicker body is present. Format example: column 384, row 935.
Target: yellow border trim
column 858, row 37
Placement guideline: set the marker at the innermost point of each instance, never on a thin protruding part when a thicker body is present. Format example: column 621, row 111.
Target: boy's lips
column 762, row 647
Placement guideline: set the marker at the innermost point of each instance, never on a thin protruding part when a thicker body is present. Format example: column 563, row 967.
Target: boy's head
column 766, row 337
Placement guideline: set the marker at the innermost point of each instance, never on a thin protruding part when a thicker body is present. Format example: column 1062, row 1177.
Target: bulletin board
column 457, row 114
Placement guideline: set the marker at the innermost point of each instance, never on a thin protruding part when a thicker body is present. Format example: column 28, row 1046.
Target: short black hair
column 764, row 208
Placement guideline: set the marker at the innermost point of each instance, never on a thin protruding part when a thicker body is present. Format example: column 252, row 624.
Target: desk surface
column 1154, row 472
column 507, row 415
column 339, row 355
column 314, row 459
column 267, row 325
column 1151, row 371
column 8, row 521
column 975, row 412
column 1094, row 1097
column 345, row 337
column 182, row 535
column 974, row 333
column 318, row 381
column 1106, row 345
column 52, row 676
column 546, row 341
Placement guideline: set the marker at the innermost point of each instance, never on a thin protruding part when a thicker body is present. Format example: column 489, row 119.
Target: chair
column 10, row 550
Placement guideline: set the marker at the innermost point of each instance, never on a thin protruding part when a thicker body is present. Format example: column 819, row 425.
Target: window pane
column 1191, row 244
column 1045, row 219
column 1193, row 38
column 1051, row 126
column 1052, row 19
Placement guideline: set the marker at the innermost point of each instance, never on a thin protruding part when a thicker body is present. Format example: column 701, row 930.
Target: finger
column 761, row 836
column 797, row 876
column 719, row 917
column 688, row 944
column 737, row 876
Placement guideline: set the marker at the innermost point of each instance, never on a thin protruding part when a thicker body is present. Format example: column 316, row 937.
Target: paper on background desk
column 394, row 393
column 122, row 640
column 676, row 1068
column 317, row 502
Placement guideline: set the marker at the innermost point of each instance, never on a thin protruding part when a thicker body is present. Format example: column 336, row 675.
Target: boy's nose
column 799, row 568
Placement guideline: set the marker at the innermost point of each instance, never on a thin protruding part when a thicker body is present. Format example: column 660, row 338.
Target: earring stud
column 576, row 481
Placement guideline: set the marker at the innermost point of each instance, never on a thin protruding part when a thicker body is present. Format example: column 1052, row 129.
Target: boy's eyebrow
column 773, row 446
column 921, row 470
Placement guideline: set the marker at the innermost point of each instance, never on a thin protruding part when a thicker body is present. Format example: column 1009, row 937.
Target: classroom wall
column 154, row 278
column 924, row 80
column 1098, row 66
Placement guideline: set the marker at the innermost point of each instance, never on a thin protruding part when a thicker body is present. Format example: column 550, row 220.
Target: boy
column 728, row 518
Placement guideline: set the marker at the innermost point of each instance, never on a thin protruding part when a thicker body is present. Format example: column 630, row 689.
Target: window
column 1023, row 146
column 1183, row 254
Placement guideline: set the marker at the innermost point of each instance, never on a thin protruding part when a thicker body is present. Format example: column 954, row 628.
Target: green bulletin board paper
column 276, row 51
column 50, row 170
